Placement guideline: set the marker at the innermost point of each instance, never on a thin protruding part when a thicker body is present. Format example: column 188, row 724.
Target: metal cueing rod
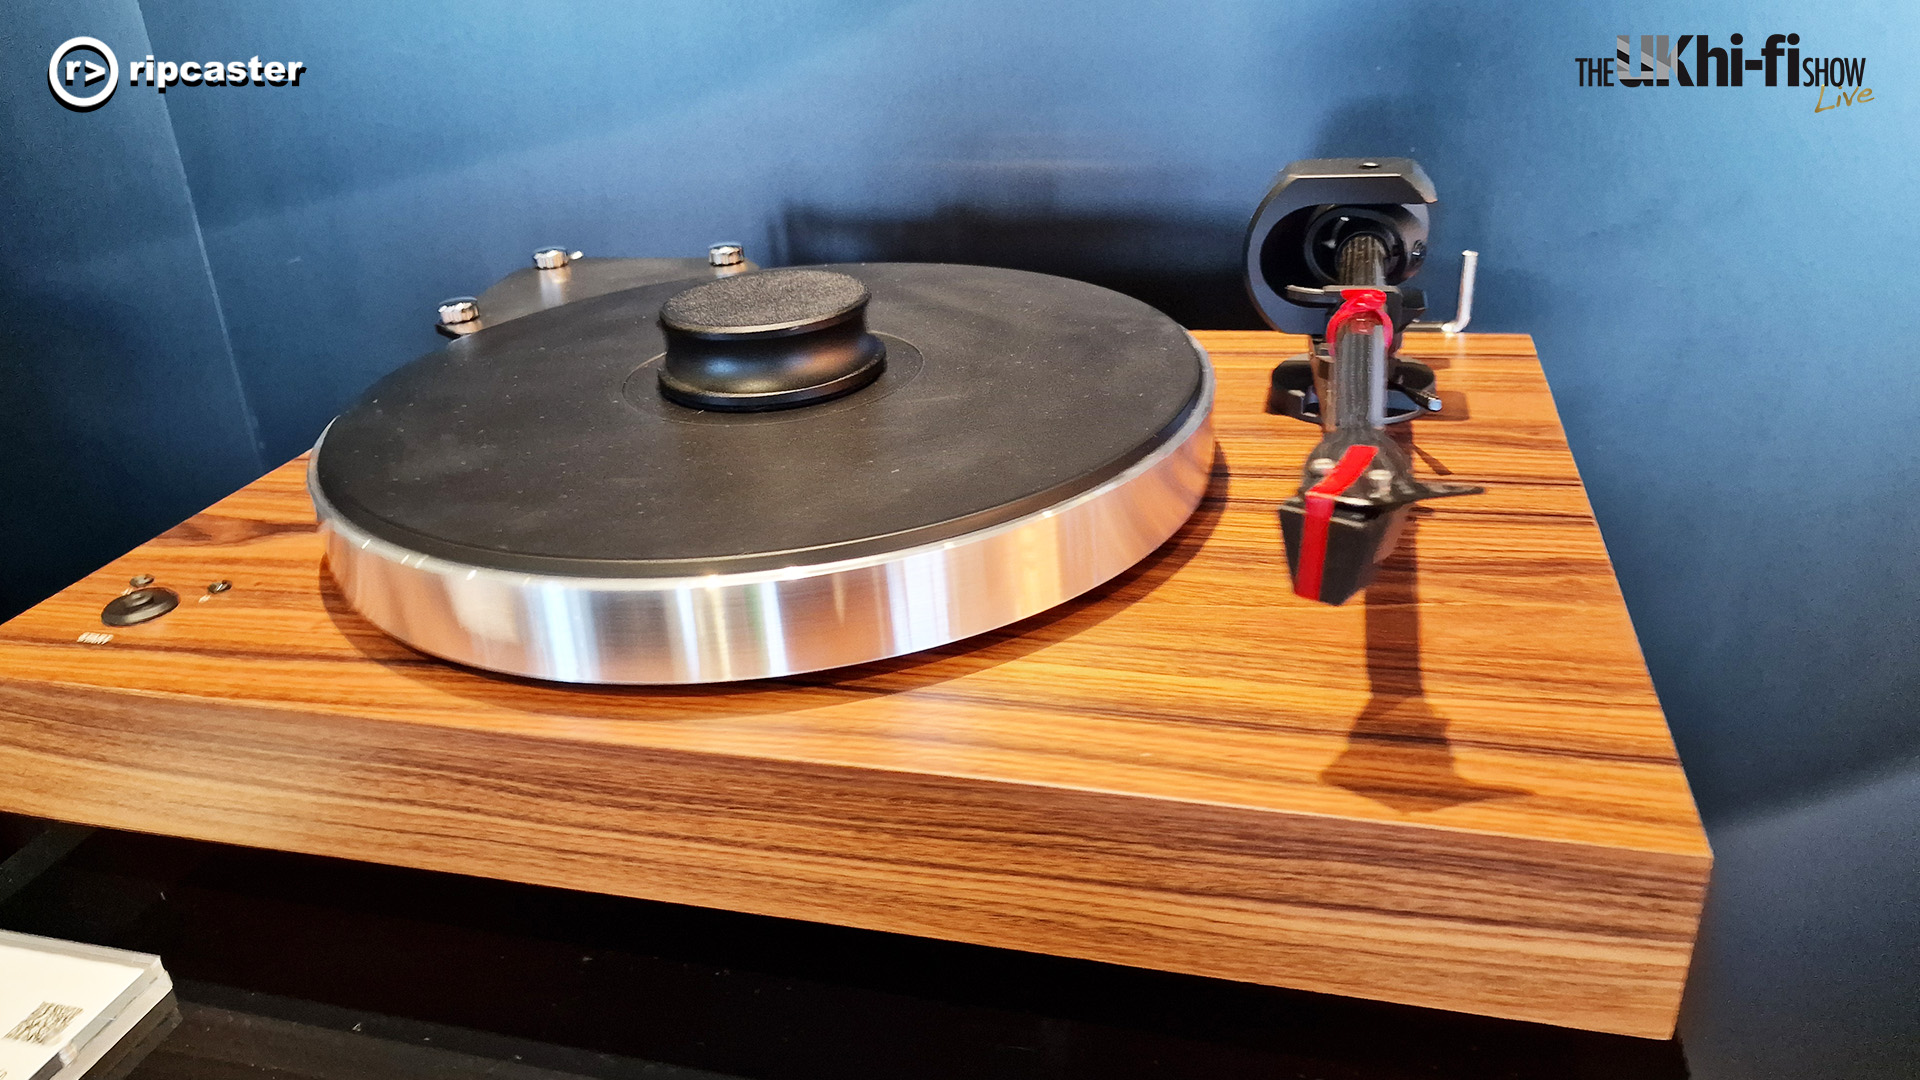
column 1463, row 311
column 1357, row 376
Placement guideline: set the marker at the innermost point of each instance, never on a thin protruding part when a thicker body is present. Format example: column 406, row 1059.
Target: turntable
column 938, row 600
column 775, row 472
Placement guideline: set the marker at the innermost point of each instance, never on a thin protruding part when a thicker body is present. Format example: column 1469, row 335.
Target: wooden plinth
column 1459, row 792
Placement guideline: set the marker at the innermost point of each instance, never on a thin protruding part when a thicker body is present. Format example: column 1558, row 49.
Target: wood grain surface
column 1456, row 792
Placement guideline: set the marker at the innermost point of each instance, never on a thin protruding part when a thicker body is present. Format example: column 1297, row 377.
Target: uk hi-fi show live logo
column 1694, row 60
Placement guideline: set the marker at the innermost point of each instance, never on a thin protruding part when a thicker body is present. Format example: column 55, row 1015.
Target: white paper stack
column 63, row 1006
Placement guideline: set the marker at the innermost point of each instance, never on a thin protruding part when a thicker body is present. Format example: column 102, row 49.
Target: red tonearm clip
column 1355, row 303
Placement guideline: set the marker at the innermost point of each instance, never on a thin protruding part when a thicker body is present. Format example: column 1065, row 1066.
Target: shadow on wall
column 98, row 454
column 1805, row 966
column 1187, row 267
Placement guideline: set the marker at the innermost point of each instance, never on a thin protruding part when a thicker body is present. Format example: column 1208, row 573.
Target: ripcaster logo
column 72, row 70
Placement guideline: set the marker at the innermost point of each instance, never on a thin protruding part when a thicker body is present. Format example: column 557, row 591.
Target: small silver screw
column 551, row 258
column 1369, row 164
column 220, row 586
column 726, row 255
column 140, row 581
column 460, row 309
column 1382, row 481
column 1321, row 464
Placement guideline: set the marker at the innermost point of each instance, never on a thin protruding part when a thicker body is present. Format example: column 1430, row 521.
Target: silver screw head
column 552, row 258
column 140, row 581
column 459, row 310
column 1320, row 465
column 220, row 586
column 726, row 255
column 1382, row 480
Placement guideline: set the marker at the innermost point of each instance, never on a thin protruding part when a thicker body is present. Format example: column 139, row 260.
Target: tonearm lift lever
column 1327, row 254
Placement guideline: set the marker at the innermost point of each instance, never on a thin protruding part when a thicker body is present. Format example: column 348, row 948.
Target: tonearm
column 1327, row 255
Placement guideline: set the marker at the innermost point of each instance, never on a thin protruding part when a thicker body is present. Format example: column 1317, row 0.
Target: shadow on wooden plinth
column 1398, row 753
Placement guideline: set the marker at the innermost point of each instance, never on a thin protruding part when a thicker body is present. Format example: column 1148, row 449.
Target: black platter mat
column 542, row 445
